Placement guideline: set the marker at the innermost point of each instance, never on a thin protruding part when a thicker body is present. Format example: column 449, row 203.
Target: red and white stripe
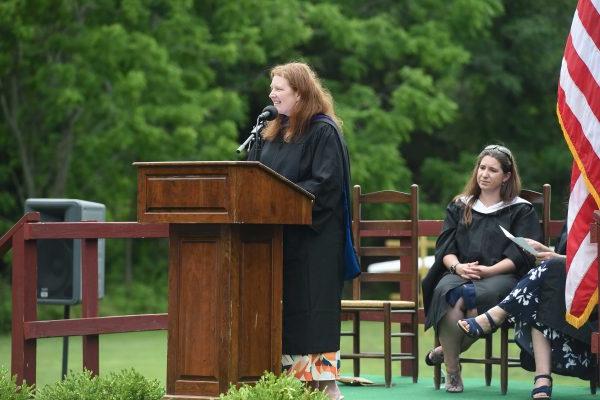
column 578, row 110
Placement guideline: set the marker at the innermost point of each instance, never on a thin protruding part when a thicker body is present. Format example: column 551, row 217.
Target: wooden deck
column 475, row 389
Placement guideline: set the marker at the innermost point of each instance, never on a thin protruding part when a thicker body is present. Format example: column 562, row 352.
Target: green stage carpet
column 475, row 389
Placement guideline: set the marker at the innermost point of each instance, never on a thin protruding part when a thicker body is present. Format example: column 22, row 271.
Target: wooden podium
column 225, row 267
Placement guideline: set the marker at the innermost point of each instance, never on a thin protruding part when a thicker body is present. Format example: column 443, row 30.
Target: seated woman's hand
column 544, row 252
column 537, row 245
column 469, row 271
column 548, row 255
column 482, row 271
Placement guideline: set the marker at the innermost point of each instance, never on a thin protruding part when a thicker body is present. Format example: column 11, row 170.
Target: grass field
column 146, row 352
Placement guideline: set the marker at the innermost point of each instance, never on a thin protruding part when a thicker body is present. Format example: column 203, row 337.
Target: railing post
column 24, row 306
column 89, row 303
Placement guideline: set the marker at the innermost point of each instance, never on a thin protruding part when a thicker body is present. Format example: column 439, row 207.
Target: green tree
column 88, row 87
column 508, row 95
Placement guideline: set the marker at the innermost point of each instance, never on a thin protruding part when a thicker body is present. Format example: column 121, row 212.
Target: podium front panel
column 198, row 312
column 195, row 312
column 225, row 306
column 260, row 280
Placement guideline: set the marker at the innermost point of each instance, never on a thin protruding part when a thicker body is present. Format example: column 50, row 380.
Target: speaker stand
column 65, row 352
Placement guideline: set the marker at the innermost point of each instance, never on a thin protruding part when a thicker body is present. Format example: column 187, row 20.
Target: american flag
column 578, row 109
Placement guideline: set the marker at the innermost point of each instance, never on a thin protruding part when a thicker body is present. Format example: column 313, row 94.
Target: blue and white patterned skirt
column 569, row 356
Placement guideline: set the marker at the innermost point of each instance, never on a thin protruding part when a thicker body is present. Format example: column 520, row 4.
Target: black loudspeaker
column 59, row 260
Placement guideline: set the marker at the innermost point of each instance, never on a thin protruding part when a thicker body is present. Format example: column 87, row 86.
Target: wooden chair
column 503, row 360
column 404, row 311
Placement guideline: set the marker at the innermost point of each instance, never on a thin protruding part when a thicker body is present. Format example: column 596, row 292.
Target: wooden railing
column 433, row 227
column 26, row 328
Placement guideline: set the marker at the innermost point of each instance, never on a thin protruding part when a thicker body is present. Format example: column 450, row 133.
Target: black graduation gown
column 551, row 311
column 313, row 255
column 551, row 314
column 481, row 241
column 552, row 307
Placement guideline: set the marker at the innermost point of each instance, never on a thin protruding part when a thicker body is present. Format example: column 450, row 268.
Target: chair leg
column 503, row 359
column 415, row 347
column 356, row 342
column 437, row 369
column 488, row 355
column 594, row 378
column 387, row 343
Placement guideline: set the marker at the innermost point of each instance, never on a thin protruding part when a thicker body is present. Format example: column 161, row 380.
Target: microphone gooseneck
column 268, row 113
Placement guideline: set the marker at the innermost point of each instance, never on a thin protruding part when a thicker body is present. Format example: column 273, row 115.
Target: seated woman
column 537, row 307
column 476, row 265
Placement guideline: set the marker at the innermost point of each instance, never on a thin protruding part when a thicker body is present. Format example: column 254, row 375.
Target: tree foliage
column 508, row 95
column 88, row 87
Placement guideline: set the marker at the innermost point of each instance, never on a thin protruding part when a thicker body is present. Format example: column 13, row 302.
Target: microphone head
column 272, row 112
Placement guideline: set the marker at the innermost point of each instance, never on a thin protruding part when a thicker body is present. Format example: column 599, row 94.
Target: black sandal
column 547, row 390
column 474, row 329
column 434, row 360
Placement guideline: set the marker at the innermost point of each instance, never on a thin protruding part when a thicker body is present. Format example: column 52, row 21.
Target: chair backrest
column 543, row 199
column 377, row 232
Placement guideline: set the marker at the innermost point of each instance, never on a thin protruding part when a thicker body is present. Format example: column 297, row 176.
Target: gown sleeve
column 252, row 154
column 525, row 223
column 325, row 175
column 254, row 151
column 445, row 244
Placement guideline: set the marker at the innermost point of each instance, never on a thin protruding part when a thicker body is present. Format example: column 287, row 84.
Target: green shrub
column 76, row 386
column 9, row 390
column 124, row 385
column 271, row 387
column 131, row 385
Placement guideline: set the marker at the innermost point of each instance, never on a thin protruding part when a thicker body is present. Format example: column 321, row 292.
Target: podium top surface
column 219, row 192
column 164, row 164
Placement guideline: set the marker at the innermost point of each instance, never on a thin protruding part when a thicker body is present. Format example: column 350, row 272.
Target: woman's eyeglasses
column 501, row 149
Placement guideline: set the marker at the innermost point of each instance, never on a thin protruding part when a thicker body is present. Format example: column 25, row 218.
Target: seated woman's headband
column 501, row 149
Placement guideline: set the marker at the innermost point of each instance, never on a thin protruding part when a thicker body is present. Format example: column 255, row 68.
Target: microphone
column 268, row 113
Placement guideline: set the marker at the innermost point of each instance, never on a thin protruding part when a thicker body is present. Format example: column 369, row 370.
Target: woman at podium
column 303, row 144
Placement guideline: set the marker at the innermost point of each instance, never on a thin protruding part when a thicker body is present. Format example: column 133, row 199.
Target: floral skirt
column 569, row 356
column 312, row 367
